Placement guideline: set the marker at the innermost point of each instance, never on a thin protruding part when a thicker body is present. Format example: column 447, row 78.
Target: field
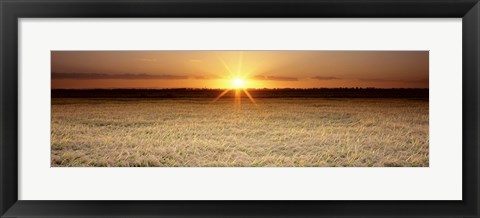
column 278, row 132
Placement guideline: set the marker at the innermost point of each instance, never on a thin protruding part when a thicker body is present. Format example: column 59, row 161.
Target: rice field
column 277, row 132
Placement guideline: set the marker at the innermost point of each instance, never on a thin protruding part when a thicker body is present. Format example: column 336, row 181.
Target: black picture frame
column 12, row 10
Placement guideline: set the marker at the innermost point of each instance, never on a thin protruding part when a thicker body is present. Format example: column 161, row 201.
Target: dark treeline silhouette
column 256, row 93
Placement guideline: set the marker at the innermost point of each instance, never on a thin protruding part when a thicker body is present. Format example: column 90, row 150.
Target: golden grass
column 276, row 133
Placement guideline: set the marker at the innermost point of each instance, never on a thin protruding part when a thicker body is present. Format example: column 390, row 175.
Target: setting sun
column 238, row 83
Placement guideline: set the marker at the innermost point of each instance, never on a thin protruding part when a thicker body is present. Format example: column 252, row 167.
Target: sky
column 231, row 69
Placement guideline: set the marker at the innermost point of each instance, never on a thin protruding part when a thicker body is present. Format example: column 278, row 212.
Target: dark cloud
column 378, row 80
column 147, row 59
column 325, row 78
column 395, row 80
column 275, row 78
column 418, row 81
column 206, row 77
column 113, row 76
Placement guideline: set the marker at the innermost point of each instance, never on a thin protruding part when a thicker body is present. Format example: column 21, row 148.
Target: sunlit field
column 277, row 132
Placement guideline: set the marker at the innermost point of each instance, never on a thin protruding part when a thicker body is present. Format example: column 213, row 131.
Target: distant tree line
column 256, row 93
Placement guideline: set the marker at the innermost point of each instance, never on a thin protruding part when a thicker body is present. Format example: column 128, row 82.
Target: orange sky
column 258, row 69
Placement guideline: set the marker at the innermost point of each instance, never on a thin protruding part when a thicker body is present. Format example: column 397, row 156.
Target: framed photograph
column 281, row 108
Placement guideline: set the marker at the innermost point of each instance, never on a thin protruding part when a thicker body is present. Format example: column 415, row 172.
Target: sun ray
column 238, row 83
column 249, row 96
column 238, row 98
column 226, row 66
column 240, row 64
column 221, row 95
